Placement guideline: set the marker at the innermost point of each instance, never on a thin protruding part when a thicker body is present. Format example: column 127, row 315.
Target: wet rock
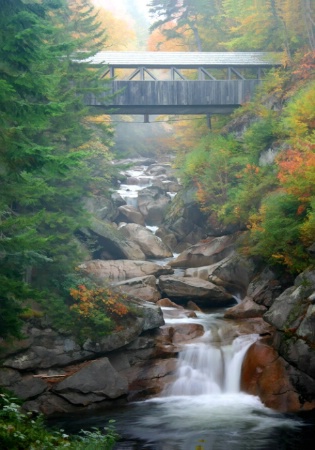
column 129, row 214
column 192, row 306
column 207, row 252
column 49, row 404
column 233, row 273
column 185, row 332
column 94, row 382
column 152, row 203
column 110, row 241
column 167, row 237
column 149, row 244
column 117, row 199
column 292, row 314
column 256, row 325
column 189, row 288
column 116, row 340
column 120, row 270
column 159, row 169
column 144, row 288
column 49, row 349
column 264, row 288
column 9, row 377
column 150, row 378
column 267, row 375
column 166, row 302
column 297, row 352
column 101, row 207
column 29, row 387
column 150, row 313
column 245, row 309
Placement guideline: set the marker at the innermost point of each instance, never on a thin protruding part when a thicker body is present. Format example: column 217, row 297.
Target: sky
column 118, row 6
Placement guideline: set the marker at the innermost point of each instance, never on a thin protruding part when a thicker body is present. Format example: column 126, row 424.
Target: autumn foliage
column 97, row 310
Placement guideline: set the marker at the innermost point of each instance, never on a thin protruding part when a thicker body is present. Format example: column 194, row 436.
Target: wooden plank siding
column 179, row 95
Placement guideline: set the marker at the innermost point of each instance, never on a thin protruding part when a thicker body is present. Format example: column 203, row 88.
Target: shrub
column 22, row 431
column 97, row 311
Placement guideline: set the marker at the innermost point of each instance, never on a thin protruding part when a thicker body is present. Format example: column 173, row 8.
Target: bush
column 97, row 311
column 276, row 232
column 21, row 431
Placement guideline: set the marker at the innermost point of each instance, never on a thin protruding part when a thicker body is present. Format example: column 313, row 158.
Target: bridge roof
column 186, row 59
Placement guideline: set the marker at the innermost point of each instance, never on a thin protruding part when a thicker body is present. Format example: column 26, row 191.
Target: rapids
column 203, row 408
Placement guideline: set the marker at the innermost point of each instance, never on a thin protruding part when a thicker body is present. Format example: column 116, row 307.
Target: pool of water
column 216, row 422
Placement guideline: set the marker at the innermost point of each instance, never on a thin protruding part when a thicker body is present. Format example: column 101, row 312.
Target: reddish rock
column 167, row 303
column 255, row 325
column 264, row 373
column 192, row 306
column 244, row 310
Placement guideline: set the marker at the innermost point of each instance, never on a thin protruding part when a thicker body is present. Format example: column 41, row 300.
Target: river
column 203, row 408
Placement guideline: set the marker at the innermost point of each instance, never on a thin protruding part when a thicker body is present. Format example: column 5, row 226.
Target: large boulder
column 120, row 270
column 264, row 288
column 144, row 288
column 152, row 203
column 207, row 252
column 233, row 273
column 246, row 309
column 110, row 242
column 47, row 348
column 101, row 207
column 270, row 377
column 158, row 169
column 94, row 382
column 167, row 237
column 130, row 214
column 196, row 289
column 149, row 244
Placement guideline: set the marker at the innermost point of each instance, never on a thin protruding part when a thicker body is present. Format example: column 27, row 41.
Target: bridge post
column 209, row 121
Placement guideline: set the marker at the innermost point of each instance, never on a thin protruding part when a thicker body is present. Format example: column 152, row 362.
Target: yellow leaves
column 92, row 302
column 256, row 220
column 297, row 170
column 300, row 113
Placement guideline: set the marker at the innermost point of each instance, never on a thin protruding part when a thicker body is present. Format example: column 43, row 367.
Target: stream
column 203, row 408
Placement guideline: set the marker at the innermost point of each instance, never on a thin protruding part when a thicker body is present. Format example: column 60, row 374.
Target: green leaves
column 45, row 153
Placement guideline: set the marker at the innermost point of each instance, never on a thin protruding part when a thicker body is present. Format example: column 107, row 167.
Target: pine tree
column 46, row 162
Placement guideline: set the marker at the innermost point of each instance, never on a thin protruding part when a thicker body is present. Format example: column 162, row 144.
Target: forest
column 55, row 152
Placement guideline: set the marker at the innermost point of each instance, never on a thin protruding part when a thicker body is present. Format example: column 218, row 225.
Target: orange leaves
column 97, row 303
column 297, row 171
column 306, row 67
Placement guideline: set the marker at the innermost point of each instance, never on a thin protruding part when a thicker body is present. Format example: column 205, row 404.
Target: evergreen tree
column 47, row 155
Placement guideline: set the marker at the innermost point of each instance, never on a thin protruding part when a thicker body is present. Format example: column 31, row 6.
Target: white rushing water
column 203, row 408
column 205, row 369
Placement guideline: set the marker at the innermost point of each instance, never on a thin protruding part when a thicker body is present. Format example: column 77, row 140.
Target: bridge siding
column 179, row 93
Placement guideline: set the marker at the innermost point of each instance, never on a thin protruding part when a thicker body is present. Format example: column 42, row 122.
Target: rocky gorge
column 161, row 252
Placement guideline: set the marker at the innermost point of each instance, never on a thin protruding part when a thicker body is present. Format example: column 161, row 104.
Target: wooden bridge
column 179, row 82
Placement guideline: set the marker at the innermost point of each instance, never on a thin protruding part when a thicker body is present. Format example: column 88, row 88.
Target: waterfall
column 205, row 368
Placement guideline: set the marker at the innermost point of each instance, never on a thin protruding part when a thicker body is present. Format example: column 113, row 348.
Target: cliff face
column 280, row 368
column 293, row 316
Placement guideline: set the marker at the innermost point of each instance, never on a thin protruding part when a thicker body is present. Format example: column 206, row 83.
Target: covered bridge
column 180, row 82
